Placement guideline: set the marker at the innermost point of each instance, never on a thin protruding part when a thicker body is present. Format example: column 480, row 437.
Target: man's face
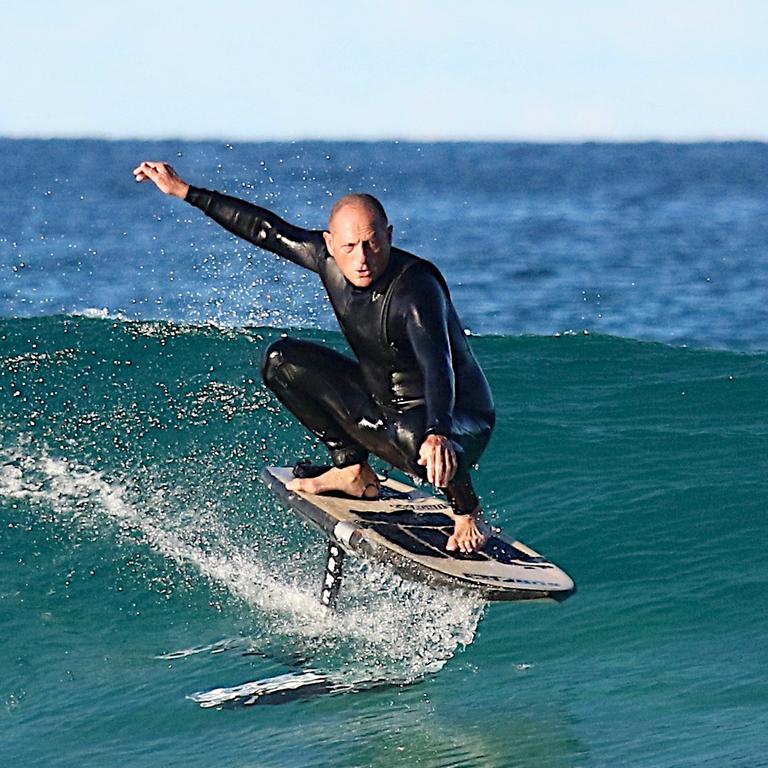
column 359, row 242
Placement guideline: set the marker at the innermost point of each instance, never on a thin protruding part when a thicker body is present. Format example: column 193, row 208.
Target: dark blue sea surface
column 141, row 560
column 660, row 242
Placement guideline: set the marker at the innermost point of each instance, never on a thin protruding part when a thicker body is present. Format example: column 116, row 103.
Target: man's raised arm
column 251, row 222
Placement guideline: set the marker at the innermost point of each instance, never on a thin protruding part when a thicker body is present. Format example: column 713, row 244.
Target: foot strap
column 305, row 468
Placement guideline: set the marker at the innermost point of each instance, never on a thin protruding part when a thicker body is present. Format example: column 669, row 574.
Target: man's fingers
column 438, row 455
column 165, row 169
column 441, row 466
column 439, row 474
column 163, row 176
column 143, row 172
column 451, row 465
column 448, row 466
column 431, row 467
column 147, row 167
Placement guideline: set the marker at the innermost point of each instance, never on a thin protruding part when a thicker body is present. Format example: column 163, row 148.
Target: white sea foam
column 387, row 628
column 81, row 492
column 101, row 313
column 291, row 683
column 210, row 648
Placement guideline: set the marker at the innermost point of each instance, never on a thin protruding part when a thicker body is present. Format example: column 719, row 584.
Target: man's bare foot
column 357, row 480
column 467, row 534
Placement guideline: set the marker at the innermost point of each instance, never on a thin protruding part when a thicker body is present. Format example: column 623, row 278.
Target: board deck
column 409, row 529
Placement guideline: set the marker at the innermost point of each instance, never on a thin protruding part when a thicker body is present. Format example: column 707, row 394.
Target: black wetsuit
column 415, row 372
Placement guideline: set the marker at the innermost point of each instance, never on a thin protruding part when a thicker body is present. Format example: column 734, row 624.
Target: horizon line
column 205, row 138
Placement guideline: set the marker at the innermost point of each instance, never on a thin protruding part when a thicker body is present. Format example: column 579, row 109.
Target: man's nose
column 361, row 254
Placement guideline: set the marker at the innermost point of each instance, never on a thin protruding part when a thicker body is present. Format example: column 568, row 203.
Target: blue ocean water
column 141, row 560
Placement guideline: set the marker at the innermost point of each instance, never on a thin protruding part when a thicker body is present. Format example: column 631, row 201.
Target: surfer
column 416, row 396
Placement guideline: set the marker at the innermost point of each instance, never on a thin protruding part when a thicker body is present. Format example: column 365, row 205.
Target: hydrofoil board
column 409, row 530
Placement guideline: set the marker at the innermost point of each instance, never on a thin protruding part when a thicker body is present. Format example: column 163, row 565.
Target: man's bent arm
column 260, row 227
column 426, row 328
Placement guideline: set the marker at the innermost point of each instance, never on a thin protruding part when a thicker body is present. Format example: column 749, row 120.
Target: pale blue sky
column 422, row 69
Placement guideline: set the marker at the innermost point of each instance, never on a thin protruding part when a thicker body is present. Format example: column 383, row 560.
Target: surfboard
column 409, row 529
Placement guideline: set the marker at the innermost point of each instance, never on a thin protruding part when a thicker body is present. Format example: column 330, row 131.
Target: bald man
column 415, row 396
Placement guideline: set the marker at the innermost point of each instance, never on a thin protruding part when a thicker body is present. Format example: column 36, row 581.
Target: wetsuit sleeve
column 423, row 308
column 260, row 227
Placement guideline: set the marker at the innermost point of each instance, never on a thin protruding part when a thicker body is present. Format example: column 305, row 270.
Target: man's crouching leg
column 320, row 387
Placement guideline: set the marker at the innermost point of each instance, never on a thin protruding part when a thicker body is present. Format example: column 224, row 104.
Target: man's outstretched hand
column 439, row 457
column 163, row 176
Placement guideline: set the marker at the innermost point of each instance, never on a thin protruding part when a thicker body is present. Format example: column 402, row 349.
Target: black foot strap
column 305, row 468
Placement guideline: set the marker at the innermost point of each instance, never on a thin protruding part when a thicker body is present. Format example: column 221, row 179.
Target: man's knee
column 278, row 354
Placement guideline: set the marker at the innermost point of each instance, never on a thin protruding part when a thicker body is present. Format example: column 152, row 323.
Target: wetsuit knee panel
column 277, row 354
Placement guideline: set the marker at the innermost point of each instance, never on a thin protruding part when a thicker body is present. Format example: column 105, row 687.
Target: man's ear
column 328, row 237
column 389, row 234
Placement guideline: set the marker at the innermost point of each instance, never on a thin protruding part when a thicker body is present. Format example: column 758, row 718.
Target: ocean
column 616, row 298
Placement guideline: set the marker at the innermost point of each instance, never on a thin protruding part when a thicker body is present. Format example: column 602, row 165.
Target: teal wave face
column 139, row 549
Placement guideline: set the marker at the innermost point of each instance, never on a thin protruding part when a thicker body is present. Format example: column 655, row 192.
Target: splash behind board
column 409, row 530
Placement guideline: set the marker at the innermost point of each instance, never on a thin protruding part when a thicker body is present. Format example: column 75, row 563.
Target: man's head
column 359, row 238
